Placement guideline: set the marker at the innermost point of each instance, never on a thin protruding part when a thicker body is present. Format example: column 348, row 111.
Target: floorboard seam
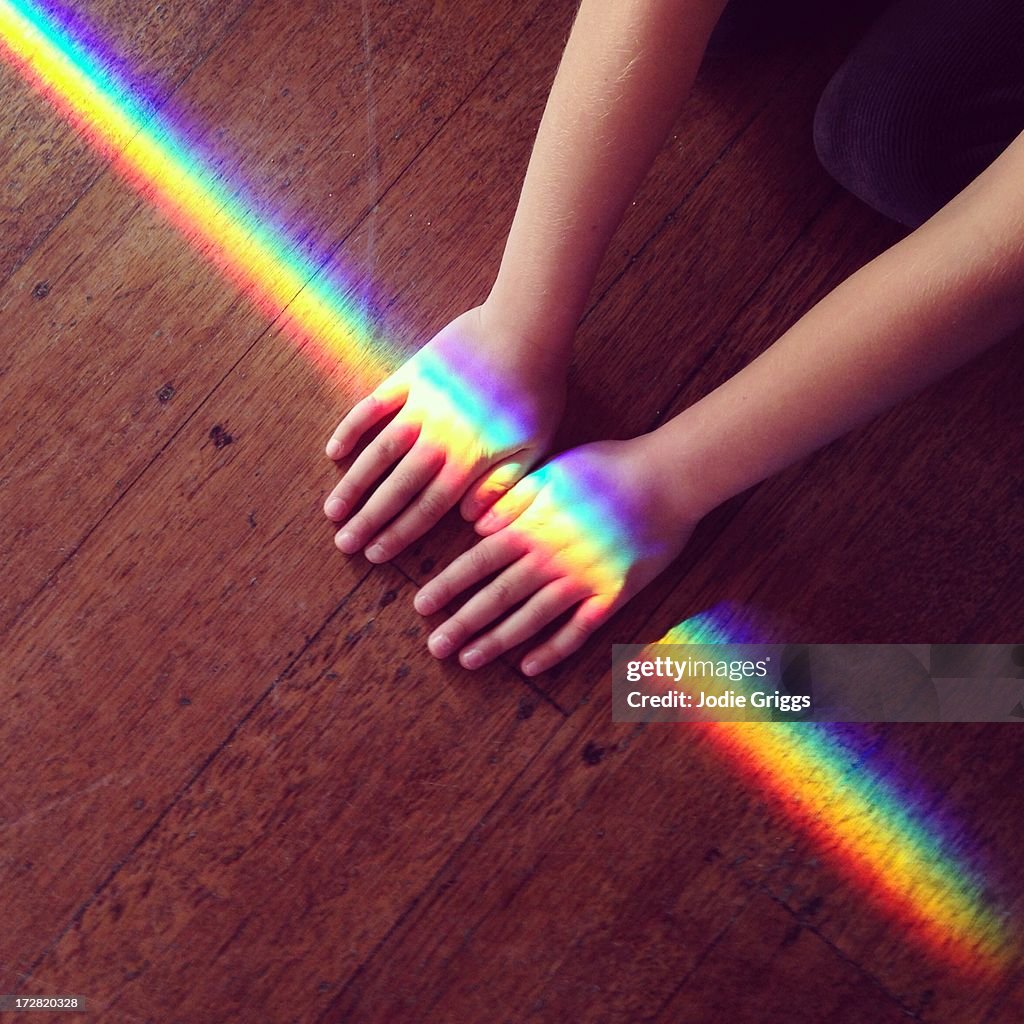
column 104, row 170
column 308, row 641
column 521, row 679
column 803, row 923
column 441, row 871
column 753, row 295
column 699, row 963
column 669, row 217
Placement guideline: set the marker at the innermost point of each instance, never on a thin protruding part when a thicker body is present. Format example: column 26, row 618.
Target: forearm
column 626, row 69
column 937, row 298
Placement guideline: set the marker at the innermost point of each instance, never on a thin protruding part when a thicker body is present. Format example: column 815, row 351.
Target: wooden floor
column 235, row 787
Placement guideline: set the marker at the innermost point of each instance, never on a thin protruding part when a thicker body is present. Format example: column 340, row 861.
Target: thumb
column 494, row 483
column 510, row 506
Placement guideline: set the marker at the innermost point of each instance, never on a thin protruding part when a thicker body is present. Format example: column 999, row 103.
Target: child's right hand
column 585, row 532
column 472, row 411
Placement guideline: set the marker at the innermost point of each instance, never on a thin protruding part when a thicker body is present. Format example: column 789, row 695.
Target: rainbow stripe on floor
column 155, row 158
column 867, row 825
column 288, row 286
column 858, row 819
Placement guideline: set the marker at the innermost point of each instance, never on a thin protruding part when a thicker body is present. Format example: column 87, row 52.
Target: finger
column 517, row 582
column 484, row 558
column 418, row 467
column 493, row 484
column 385, row 450
column 511, row 506
column 386, row 399
column 418, row 514
column 590, row 615
column 546, row 605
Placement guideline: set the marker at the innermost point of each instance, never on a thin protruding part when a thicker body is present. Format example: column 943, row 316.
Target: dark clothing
column 928, row 98
column 932, row 94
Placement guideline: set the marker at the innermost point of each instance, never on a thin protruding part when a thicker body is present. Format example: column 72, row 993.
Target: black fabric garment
column 929, row 97
column 932, row 94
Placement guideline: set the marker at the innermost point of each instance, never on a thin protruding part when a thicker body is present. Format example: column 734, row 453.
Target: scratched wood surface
column 234, row 785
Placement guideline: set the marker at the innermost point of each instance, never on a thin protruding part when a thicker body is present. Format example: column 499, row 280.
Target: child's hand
column 473, row 411
column 589, row 529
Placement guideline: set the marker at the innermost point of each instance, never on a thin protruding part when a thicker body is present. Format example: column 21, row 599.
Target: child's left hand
column 587, row 530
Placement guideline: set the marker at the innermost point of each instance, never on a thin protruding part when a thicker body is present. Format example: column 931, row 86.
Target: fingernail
column 335, row 508
column 440, row 645
column 376, row 553
column 473, row 658
column 531, row 667
column 334, row 449
column 485, row 521
column 424, row 604
column 347, row 541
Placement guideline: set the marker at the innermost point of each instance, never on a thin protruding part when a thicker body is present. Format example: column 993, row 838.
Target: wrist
column 532, row 345
column 672, row 459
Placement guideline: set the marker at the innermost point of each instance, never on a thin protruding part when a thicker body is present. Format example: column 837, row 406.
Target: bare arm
column 626, row 70
column 940, row 296
column 928, row 304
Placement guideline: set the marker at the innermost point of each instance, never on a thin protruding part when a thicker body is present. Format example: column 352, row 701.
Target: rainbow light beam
column 856, row 817
column 472, row 413
column 576, row 524
column 145, row 149
column 271, row 269
column 867, row 826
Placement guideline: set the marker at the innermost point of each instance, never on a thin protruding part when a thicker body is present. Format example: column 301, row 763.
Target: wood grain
column 46, row 165
column 265, row 900
column 234, row 784
column 114, row 269
column 772, row 968
column 102, row 519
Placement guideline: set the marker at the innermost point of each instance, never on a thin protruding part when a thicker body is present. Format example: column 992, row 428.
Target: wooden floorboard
column 113, row 269
column 46, row 165
column 1009, row 1006
column 270, row 897
column 571, row 900
column 962, row 777
column 770, row 968
column 94, row 458
column 234, row 784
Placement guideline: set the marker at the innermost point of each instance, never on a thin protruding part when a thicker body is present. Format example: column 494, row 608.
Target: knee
column 878, row 140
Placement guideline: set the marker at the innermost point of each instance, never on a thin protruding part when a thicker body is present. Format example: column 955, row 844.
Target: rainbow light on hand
column 862, row 822
column 468, row 410
column 857, row 818
column 570, row 519
column 582, row 528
